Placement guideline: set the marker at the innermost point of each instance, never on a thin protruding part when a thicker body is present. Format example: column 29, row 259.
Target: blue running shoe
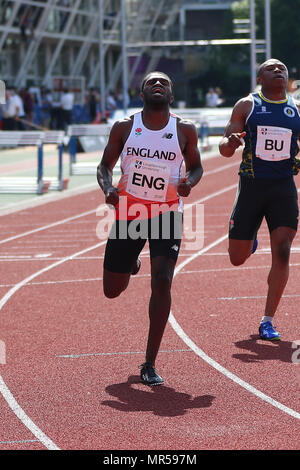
column 267, row 331
column 254, row 246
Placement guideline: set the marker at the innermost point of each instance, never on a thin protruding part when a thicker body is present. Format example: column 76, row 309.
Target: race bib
column 148, row 180
column 273, row 143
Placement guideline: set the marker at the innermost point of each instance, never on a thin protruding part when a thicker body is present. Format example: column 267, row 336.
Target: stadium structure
column 103, row 43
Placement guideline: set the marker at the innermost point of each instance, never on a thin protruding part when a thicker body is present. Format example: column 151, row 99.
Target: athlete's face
column 157, row 90
column 273, row 73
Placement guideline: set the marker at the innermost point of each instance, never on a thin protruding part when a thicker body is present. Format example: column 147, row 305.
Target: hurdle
column 56, row 137
column 24, row 184
column 85, row 130
column 31, row 184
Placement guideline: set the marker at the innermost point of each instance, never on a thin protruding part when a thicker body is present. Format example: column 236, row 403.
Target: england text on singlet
column 151, row 166
column 271, row 145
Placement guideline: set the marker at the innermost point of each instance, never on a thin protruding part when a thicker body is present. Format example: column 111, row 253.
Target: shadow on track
column 161, row 400
column 260, row 350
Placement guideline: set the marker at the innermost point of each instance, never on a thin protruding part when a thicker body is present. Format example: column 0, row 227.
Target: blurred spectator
column 66, row 103
column 9, row 113
column 28, row 104
column 36, row 94
column 46, row 107
column 120, row 101
column 26, row 19
column 93, row 99
column 19, row 108
column 111, row 104
column 4, row 5
column 221, row 99
column 56, row 114
column 211, row 99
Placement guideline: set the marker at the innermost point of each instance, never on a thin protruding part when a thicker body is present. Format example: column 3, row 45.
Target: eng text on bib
column 148, row 180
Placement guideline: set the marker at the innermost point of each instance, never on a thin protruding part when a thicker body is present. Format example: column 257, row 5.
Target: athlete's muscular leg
column 162, row 270
column 239, row 251
column 121, row 254
column 114, row 283
column 281, row 240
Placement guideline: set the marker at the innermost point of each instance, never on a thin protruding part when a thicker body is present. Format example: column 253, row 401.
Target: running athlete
column 152, row 144
column 268, row 122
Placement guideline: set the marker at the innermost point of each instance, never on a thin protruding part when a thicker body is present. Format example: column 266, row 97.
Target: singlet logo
column 290, row 112
column 138, row 164
column 138, row 131
column 167, row 136
column 263, row 111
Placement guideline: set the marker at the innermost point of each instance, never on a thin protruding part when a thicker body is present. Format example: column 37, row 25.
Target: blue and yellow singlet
column 272, row 130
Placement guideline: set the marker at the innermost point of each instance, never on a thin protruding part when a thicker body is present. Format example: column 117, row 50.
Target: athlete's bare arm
column 188, row 141
column 118, row 136
column 234, row 130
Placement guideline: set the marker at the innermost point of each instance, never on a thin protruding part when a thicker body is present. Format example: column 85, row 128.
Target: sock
column 266, row 318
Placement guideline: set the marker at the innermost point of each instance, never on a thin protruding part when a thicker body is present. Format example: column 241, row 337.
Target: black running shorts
column 275, row 199
column 127, row 238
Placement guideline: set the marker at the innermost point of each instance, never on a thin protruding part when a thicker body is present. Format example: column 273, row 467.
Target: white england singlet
column 151, row 165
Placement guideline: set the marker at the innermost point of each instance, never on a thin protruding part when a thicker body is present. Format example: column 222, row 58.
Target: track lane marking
column 200, row 353
column 4, row 390
column 76, row 356
column 45, row 227
column 102, row 206
column 24, row 418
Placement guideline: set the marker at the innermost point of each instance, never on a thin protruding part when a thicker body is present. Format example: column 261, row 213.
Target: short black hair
column 153, row 73
column 263, row 65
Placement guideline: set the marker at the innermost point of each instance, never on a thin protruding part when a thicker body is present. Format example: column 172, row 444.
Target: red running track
column 71, row 379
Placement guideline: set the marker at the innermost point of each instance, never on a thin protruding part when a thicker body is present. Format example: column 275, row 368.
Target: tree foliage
column 286, row 32
column 285, row 27
column 228, row 67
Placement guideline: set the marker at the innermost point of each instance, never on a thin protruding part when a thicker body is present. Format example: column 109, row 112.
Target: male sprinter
column 269, row 123
column 152, row 144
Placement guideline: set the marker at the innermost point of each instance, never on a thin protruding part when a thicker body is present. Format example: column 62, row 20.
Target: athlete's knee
column 161, row 283
column 112, row 291
column 282, row 251
column 236, row 258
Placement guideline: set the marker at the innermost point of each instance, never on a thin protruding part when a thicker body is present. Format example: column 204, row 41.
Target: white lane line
column 19, row 442
column 220, row 168
column 15, row 407
column 7, row 395
column 181, row 273
column 199, row 352
column 101, row 206
column 211, row 196
column 37, row 201
column 76, row 356
column 4, row 390
column 54, row 224
column 289, row 296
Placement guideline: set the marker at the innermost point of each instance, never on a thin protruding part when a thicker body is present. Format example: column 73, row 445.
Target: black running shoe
column 149, row 375
column 136, row 267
